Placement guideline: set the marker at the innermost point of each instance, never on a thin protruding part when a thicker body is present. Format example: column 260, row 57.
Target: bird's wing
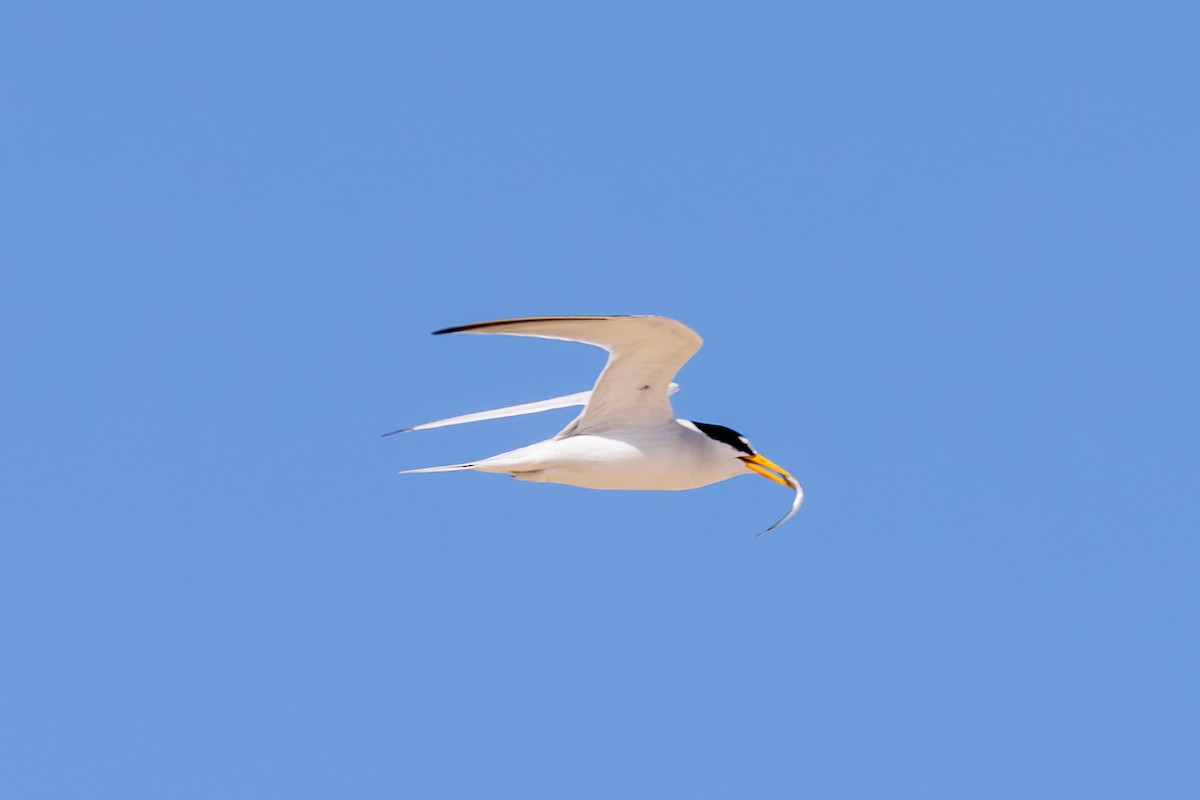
column 645, row 352
column 577, row 399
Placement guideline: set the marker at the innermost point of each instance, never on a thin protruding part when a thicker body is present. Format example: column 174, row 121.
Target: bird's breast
column 635, row 459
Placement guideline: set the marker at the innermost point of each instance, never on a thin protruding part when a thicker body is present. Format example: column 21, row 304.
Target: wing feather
column 577, row 399
column 645, row 352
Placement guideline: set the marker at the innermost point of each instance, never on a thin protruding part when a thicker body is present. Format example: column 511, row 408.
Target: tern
column 627, row 436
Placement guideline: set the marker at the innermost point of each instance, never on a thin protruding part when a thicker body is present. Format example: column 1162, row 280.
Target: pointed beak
column 769, row 469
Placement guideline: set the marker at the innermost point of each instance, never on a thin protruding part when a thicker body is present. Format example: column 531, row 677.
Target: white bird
column 627, row 436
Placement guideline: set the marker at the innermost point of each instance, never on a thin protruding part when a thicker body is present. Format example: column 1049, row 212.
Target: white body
column 666, row 457
column 627, row 436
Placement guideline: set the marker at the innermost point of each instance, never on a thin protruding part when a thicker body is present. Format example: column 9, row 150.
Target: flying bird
column 627, row 436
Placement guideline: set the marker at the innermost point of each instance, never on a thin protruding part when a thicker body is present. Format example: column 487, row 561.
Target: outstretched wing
column 577, row 399
column 645, row 352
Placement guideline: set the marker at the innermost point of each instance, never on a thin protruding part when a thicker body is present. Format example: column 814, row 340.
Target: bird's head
column 754, row 462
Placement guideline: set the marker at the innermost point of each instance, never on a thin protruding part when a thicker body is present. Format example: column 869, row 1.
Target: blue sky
column 944, row 257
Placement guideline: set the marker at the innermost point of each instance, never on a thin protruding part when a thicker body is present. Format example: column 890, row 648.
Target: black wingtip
column 393, row 433
column 471, row 327
column 500, row 323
